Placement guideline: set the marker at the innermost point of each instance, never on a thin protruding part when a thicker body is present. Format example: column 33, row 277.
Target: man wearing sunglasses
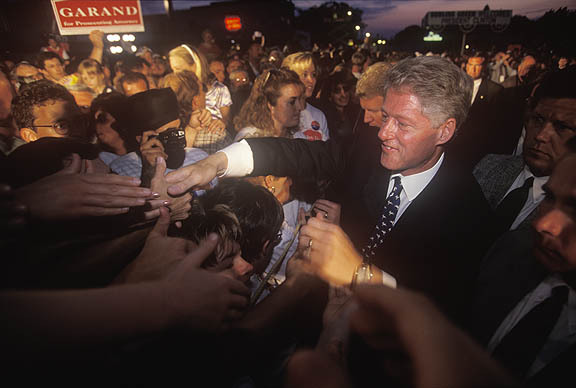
column 46, row 109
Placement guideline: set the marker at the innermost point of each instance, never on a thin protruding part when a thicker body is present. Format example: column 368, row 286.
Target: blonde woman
column 218, row 100
column 217, row 97
column 202, row 130
column 313, row 124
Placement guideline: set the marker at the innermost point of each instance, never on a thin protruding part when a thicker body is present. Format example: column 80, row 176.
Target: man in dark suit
column 435, row 237
column 518, row 275
column 550, row 122
column 475, row 137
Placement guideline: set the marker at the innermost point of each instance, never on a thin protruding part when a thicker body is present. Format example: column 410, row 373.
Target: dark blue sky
column 387, row 17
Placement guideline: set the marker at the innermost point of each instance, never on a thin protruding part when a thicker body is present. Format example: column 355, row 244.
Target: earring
column 273, row 189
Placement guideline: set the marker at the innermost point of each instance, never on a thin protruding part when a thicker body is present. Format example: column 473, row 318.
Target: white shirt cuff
column 240, row 160
column 389, row 280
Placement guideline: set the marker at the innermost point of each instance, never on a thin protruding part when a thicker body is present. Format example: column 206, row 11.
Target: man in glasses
column 550, row 121
column 46, row 109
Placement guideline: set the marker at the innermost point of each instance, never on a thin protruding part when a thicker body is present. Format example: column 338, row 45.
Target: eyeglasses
column 61, row 128
column 77, row 124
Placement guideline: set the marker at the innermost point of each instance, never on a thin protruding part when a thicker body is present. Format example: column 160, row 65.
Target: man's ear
column 447, row 131
column 28, row 135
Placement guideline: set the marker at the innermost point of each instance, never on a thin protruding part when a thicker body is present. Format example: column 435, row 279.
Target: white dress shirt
column 241, row 163
column 412, row 186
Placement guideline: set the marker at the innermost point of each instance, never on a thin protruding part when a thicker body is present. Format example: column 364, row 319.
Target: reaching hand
column 330, row 210
column 151, row 148
column 71, row 195
column 200, row 118
column 194, row 297
column 395, row 318
column 196, row 175
column 179, row 206
column 13, row 215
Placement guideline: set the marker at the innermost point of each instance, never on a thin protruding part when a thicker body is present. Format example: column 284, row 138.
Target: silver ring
column 309, row 243
column 325, row 214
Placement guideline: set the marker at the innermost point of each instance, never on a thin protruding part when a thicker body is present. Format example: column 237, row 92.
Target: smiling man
column 549, row 122
column 434, row 237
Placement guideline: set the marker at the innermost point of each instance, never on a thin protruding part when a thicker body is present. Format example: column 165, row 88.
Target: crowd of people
column 333, row 217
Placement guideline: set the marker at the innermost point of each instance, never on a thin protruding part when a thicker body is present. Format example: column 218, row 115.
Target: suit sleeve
column 297, row 158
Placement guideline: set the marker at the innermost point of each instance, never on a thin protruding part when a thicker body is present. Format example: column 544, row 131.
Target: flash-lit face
column 474, row 67
column 555, row 244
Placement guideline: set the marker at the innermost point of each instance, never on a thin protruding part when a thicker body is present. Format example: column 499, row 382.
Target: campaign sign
column 79, row 17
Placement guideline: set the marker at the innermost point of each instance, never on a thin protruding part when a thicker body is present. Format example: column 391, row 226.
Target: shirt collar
column 415, row 183
column 537, row 191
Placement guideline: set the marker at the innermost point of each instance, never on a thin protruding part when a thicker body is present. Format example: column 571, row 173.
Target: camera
column 174, row 142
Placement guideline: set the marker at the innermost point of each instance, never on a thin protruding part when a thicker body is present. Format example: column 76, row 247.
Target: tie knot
column 560, row 293
column 397, row 185
column 528, row 182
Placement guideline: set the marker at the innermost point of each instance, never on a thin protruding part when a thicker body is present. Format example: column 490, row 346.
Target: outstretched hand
column 196, row 175
column 193, row 297
column 74, row 193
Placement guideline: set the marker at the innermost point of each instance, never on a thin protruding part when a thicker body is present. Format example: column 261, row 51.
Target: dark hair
column 132, row 62
column 257, row 211
column 131, row 78
column 557, row 84
column 33, row 94
column 344, row 77
column 44, row 56
column 113, row 103
column 45, row 156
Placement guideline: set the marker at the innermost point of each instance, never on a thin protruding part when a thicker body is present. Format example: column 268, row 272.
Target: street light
column 357, row 28
column 367, row 34
column 349, row 13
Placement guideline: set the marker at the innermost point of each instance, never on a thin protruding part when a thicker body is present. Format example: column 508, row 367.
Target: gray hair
column 444, row 90
column 371, row 81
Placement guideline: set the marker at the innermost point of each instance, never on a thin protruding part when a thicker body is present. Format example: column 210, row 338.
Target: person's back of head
column 370, row 82
column 133, row 63
column 250, row 213
column 132, row 82
column 46, row 156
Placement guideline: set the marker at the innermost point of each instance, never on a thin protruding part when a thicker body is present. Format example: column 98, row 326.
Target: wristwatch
column 362, row 274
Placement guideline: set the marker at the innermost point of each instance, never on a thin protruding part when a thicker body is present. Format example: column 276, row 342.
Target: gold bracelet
column 362, row 274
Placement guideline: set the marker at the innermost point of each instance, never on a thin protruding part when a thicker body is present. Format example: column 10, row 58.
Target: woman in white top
column 273, row 110
column 313, row 124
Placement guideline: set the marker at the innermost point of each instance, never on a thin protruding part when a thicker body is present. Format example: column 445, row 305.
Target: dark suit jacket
column 508, row 272
column 495, row 174
column 435, row 246
column 475, row 137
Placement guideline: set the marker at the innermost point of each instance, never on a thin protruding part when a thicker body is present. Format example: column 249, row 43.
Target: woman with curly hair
column 273, row 107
